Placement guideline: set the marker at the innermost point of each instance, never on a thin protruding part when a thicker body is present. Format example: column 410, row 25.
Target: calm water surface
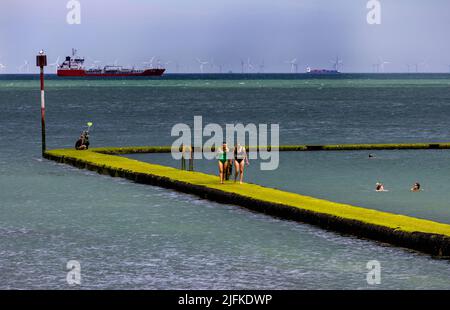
column 131, row 236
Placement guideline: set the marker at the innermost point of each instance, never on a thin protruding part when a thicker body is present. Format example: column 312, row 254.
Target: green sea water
column 131, row 236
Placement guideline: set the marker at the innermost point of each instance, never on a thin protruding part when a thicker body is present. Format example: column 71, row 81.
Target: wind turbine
column 337, row 63
column 2, row 66
column 376, row 68
column 242, row 66
column 149, row 64
column 418, row 64
column 294, row 65
column 25, row 66
column 55, row 64
column 202, row 64
column 382, row 63
column 158, row 63
column 409, row 67
column 167, row 63
column 218, row 66
column 425, row 65
column 212, row 64
column 250, row 66
column 261, row 67
column 94, row 63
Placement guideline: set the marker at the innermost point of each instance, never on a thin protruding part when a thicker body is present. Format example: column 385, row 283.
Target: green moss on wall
column 424, row 235
column 286, row 148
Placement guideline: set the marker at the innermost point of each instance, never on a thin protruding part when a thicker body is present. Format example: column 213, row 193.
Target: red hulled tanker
column 73, row 66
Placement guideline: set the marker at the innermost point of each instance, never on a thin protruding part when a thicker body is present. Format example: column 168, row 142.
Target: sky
column 266, row 33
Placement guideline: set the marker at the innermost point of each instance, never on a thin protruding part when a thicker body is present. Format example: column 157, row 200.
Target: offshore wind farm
column 198, row 65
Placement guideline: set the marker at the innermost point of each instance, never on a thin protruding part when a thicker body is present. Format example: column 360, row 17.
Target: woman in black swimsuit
column 240, row 156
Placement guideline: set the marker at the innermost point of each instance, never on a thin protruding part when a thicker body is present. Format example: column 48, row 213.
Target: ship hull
column 323, row 71
column 84, row 73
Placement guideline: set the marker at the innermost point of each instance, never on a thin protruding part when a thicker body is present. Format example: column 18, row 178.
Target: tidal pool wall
column 413, row 233
column 288, row 148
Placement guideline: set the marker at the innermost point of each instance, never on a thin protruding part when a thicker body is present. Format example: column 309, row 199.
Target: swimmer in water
column 416, row 187
column 379, row 187
column 371, row 156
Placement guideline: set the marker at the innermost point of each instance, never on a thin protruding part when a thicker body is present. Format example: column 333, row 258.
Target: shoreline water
column 130, row 236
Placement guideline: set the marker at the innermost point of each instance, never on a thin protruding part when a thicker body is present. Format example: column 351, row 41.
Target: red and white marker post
column 41, row 61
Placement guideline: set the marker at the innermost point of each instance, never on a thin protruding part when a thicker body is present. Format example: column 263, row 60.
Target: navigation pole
column 41, row 61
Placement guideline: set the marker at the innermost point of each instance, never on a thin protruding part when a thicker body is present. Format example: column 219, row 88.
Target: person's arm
column 218, row 152
column 246, row 157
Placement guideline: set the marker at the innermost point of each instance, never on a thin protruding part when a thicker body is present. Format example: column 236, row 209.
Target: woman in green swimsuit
column 223, row 160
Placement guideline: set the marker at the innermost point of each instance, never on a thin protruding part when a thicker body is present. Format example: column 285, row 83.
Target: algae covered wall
column 422, row 235
column 285, row 148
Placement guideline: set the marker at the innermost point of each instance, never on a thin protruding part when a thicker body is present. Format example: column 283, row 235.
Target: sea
column 125, row 235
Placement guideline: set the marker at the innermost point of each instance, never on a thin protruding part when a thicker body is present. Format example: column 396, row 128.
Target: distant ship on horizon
column 73, row 66
column 336, row 63
column 321, row 71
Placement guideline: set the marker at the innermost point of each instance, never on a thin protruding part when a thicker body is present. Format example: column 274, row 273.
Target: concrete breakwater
column 288, row 148
column 418, row 234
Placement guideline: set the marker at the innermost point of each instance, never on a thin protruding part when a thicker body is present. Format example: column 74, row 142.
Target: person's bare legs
column 221, row 168
column 225, row 170
column 236, row 170
column 241, row 171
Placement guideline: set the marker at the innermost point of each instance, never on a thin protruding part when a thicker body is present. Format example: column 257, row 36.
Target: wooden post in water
column 184, row 150
column 191, row 158
column 183, row 160
column 41, row 62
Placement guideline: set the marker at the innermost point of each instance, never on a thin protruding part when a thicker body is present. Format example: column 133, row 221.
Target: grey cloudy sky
column 313, row 31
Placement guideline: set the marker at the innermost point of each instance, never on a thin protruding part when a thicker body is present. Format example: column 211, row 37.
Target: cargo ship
column 321, row 71
column 73, row 66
